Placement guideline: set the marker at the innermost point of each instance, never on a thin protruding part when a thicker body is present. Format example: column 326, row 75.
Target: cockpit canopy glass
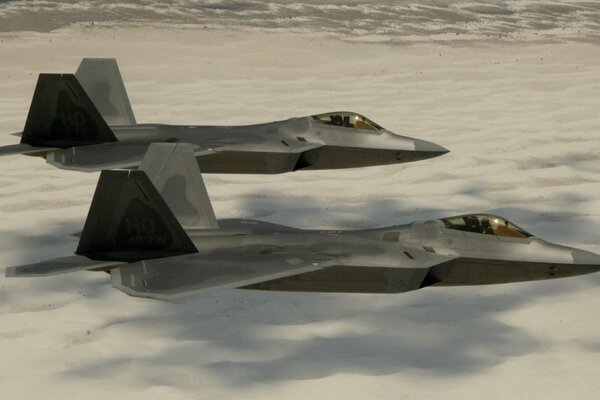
column 485, row 224
column 347, row 120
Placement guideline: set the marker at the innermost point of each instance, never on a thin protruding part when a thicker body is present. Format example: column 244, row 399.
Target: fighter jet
column 155, row 232
column 85, row 122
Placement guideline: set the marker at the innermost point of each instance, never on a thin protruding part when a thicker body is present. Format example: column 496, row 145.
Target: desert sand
column 521, row 120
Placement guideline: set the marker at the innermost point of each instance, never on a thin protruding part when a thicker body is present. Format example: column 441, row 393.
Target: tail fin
column 174, row 171
column 62, row 115
column 129, row 221
column 101, row 79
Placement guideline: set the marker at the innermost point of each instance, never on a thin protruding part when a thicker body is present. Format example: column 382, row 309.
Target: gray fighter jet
column 155, row 232
column 85, row 122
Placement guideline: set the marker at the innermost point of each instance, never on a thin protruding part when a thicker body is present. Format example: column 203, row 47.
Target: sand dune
column 521, row 121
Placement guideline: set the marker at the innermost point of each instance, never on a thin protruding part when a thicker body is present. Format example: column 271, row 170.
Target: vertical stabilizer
column 62, row 115
column 173, row 170
column 129, row 221
column 101, row 79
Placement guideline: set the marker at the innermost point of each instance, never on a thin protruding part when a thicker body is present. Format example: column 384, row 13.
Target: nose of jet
column 582, row 257
column 424, row 146
column 417, row 148
column 584, row 262
column 411, row 149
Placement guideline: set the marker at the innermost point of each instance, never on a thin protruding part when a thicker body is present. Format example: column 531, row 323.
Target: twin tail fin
column 143, row 214
column 139, row 215
column 76, row 110
column 102, row 81
column 63, row 115
column 129, row 221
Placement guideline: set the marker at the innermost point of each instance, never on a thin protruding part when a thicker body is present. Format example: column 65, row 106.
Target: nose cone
column 428, row 147
column 422, row 148
column 425, row 149
column 417, row 148
column 587, row 258
column 584, row 262
column 411, row 149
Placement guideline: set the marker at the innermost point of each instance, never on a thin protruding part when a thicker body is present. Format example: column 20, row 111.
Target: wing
column 59, row 266
column 176, row 277
column 116, row 155
column 127, row 155
column 261, row 267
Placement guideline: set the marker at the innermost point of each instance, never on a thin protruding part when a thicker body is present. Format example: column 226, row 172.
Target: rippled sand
column 390, row 21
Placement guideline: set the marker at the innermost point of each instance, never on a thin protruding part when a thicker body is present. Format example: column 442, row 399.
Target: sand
column 521, row 121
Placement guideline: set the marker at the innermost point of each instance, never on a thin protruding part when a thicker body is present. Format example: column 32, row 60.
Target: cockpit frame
column 347, row 119
column 487, row 224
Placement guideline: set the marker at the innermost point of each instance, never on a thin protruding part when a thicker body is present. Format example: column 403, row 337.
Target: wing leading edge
column 174, row 278
column 129, row 155
column 117, row 155
column 267, row 267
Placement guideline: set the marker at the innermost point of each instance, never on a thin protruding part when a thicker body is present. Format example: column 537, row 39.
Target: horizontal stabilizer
column 58, row 266
column 23, row 148
column 190, row 275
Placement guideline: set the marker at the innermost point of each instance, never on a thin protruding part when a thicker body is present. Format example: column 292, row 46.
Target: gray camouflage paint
column 85, row 123
column 135, row 230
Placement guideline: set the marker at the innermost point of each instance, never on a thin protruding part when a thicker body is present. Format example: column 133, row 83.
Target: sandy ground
column 521, row 121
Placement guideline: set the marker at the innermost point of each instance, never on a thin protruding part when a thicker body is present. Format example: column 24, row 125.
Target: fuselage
column 403, row 258
column 271, row 148
column 75, row 125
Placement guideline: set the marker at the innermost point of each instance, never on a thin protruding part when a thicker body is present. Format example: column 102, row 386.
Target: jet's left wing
column 177, row 277
column 129, row 155
column 262, row 266
column 116, row 155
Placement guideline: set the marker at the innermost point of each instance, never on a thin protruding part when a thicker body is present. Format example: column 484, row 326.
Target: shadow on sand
column 249, row 337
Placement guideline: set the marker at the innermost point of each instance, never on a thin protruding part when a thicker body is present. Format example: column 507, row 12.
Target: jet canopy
column 486, row 224
column 347, row 120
